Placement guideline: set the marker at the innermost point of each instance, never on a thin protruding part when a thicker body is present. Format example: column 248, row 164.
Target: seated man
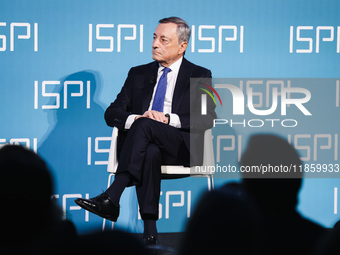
column 152, row 113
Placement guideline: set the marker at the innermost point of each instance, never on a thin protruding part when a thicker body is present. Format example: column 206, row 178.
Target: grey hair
column 183, row 30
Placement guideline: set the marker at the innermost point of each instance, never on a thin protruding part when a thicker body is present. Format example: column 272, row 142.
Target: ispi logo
column 210, row 91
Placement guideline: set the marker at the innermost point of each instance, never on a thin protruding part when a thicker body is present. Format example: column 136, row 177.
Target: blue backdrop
column 63, row 62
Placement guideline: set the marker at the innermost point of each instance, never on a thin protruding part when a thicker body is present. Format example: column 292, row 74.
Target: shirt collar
column 174, row 67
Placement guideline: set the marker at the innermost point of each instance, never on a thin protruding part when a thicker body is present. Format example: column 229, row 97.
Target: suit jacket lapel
column 182, row 83
column 150, row 79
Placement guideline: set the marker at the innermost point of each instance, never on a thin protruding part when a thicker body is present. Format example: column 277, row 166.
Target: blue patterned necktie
column 158, row 101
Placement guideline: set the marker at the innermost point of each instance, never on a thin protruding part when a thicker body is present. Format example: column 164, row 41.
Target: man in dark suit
column 158, row 116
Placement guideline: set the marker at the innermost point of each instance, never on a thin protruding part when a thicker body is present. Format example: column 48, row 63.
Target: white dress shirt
column 171, row 83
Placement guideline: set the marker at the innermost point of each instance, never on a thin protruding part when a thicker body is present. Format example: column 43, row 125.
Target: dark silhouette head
column 222, row 223
column 272, row 174
column 26, row 189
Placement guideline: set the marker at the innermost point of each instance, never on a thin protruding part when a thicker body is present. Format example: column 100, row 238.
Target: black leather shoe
column 100, row 205
column 150, row 240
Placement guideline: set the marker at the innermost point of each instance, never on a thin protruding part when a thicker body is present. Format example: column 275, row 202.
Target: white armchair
column 194, row 171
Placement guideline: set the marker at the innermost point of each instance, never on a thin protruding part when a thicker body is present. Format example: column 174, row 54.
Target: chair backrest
column 208, row 150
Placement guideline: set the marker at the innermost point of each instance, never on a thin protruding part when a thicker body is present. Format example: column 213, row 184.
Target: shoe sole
column 90, row 209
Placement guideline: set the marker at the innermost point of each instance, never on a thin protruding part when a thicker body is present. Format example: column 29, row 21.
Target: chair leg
column 210, row 180
column 104, row 222
column 108, row 185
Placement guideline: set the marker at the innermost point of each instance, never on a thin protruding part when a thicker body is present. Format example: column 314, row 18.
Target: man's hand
column 158, row 116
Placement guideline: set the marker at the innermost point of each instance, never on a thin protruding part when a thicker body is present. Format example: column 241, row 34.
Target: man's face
column 165, row 48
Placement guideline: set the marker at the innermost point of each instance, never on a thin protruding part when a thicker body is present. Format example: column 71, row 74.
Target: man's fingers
column 156, row 115
column 159, row 116
column 147, row 114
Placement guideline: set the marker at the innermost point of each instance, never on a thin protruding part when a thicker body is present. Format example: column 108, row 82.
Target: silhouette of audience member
column 222, row 224
column 113, row 242
column 258, row 215
column 330, row 244
column 276, row 194
column 30, row 222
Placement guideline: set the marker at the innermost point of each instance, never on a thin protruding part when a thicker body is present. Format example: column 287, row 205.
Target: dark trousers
column 148, row 145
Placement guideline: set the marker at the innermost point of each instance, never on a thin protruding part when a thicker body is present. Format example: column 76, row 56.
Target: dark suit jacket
column 136, row 94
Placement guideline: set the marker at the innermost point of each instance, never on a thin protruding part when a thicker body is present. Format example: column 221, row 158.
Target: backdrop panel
column 63, row 62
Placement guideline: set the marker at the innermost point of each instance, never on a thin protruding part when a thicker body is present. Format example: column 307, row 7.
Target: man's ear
column 183, row 47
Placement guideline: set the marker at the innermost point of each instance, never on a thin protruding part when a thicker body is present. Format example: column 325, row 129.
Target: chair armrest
column 113, row 159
